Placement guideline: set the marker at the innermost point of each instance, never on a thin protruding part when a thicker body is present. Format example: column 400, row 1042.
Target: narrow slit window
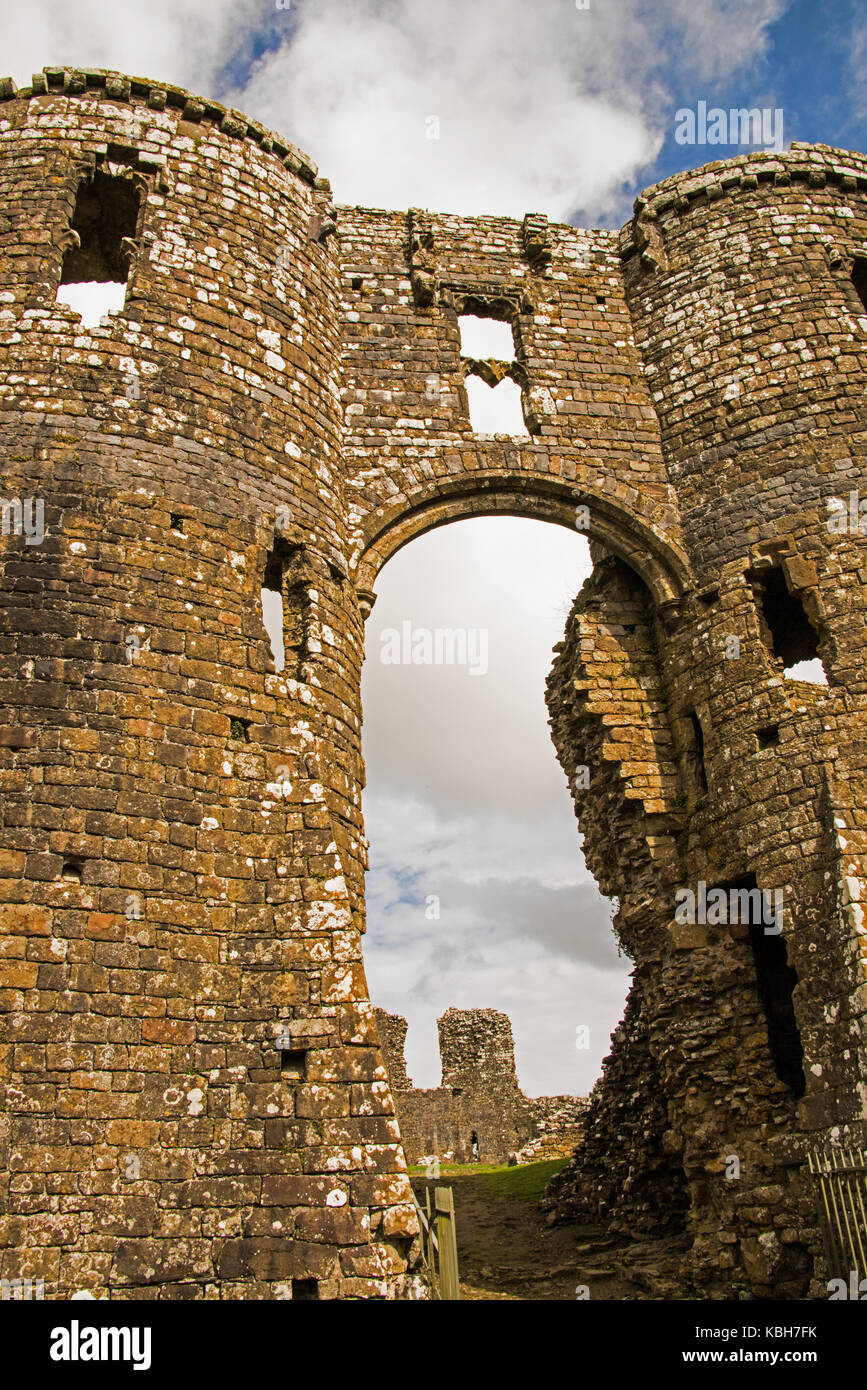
column 284, row 606
column 695, row 754
column 786, row 628
column 859, row 278
column 96, row 266
column 776, row 981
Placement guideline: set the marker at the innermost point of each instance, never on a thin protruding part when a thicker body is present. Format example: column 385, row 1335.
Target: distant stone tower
column 478, row 1095
column 195, row 1102
column 477, row 1048
column 392, row 1035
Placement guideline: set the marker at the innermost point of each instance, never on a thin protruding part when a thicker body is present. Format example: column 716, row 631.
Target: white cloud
column 466, row 803
column 540, row 106
column 184, row 44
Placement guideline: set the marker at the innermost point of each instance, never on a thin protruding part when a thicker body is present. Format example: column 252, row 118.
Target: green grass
column 526, row 1181
column 448, row 1170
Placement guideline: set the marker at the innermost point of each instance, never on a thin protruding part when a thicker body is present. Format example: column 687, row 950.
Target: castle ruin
column 478, row 1096
column 194, row 1099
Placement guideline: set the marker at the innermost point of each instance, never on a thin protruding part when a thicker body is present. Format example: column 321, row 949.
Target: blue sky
column 812, row 67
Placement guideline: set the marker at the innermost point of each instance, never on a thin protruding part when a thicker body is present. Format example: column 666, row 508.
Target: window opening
column 493, row 397
column 776, row 981
column 786, row 628
column 695, row 753
column 285, row 606
column 96, row 266
column 768, row 737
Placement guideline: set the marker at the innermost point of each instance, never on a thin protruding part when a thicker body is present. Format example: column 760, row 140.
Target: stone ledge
column 115, row 86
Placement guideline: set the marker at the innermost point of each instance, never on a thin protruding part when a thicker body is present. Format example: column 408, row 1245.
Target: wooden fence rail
column 439, row 1242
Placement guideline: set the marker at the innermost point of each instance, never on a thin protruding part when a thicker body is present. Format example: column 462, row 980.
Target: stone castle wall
column 198, row 1104
column 479, row 1094
column 195, row 1101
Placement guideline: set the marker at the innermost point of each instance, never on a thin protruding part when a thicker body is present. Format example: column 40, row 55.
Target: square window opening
column 95, row 271
column 293, row 1064
column 786, row 629
column 486, row 339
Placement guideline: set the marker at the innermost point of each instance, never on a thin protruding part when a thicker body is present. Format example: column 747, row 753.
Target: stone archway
column 656, row 557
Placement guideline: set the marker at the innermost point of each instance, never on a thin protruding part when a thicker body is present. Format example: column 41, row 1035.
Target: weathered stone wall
column 412, row 458
column 196, row 1104
column 479, row 1094
column 195, row 1099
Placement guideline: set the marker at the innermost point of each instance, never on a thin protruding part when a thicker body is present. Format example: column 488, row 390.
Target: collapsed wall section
column 609, row 720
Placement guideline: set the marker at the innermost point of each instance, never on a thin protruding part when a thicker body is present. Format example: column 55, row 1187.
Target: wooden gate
column 439, row 1242
column 841, row 1175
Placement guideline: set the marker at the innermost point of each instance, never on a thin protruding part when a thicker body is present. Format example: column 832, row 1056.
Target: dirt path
column 505, row 1249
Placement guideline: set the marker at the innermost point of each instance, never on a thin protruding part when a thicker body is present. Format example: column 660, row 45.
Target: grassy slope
column 525, row 1181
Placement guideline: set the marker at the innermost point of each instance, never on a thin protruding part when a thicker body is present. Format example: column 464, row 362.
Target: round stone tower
column 735, row 773
column 197, row 1105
